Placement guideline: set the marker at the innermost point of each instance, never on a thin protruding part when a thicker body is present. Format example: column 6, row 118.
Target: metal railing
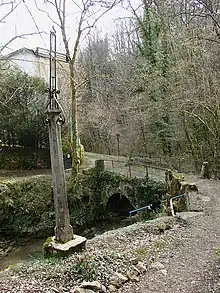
column 148, row 207
column 176, row 197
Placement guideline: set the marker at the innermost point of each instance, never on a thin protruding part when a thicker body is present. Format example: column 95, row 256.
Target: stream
column 14, row 251
column 32, row 250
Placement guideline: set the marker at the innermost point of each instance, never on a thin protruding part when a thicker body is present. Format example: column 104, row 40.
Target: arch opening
column 119, row 205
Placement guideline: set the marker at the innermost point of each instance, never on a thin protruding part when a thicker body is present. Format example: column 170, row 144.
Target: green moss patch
column 89, row 194
column 26, row 204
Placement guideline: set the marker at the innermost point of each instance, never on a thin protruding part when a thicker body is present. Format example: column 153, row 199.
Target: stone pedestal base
column 52, row 248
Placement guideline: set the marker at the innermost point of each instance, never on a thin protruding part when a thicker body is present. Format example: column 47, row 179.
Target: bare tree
column 90, row 11
column 7, row 9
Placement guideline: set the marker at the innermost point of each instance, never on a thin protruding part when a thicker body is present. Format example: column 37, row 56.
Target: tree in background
column 90, row 11
column 163, row 87
column 22, row 109
column 7, row 9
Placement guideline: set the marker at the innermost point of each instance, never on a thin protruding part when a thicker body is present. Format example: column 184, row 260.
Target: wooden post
column 146, row 172
column 63, row 229
column 118, row 144
column 64, row 242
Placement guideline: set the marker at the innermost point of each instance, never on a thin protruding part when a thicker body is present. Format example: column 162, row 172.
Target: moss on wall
column 26, row 205
column 89, row 194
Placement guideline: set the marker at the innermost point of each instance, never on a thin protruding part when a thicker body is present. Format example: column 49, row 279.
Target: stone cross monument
column 55, row 119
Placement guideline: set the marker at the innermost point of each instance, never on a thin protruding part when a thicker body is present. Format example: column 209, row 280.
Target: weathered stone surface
column 136, row 270
column 112, row 289
column 157, row 266
column 118, row 279
column 64, row 249
column 95, row 285
column 89, row 198
column 33, row 217
column 132, row 276
column 134, row 260
column 82, row 290
column 141, row 267
column 86, row 197
column 205, row 172
column 164, row 272
column 114, row 282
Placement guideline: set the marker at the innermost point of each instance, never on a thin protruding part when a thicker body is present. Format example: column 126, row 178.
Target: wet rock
column 95, row 285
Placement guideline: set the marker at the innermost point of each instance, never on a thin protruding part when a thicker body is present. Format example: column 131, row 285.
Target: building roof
column 39, row 52
column 21, row 50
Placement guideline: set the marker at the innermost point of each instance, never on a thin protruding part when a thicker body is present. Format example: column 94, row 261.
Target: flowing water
column 24, row 250
column 30, row 251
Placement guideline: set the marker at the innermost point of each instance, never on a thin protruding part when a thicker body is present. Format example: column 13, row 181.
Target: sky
column 28, row 19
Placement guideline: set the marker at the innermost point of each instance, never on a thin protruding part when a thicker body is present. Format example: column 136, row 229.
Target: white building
column 35, row 62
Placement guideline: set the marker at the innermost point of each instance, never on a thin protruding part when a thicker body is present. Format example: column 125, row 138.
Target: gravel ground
column 181, row 254
column 105, row 254
column 187, row 248
column 191, row 261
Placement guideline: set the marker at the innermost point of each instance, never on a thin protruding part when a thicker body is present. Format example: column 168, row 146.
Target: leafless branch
column 192, row 114
column 48, row 15
column 100, row 16
column 17, row 37
column 33, row 19
column 10, row 11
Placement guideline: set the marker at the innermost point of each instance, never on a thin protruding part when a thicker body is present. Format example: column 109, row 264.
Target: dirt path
column 186, row 251
column 118, row 165
column 191, row 262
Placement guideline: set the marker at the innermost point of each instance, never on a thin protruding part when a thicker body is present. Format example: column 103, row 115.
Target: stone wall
column 88, row 197
column 26, row 204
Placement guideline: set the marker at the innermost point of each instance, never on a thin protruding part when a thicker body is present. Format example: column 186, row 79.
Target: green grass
column 142, row 252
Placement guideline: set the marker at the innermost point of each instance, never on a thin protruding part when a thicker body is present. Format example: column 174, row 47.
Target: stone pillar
column 205, row 173
column 100, row 165
column 63, row 229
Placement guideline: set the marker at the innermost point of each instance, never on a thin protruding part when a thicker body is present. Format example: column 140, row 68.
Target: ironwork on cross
column 55, row 118
column 53, row 104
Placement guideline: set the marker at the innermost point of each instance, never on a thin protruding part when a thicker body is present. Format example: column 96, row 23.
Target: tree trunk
column 192, row 147
column 73, row 127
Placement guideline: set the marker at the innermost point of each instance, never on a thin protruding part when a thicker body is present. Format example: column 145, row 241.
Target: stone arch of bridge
column 120, row 201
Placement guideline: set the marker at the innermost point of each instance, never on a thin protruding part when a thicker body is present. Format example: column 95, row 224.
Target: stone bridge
column 26, row 204
column 99, row 193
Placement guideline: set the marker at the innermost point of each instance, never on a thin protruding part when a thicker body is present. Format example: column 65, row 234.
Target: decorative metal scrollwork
column 60, row 120
column 47, row 121
column 53, row 106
